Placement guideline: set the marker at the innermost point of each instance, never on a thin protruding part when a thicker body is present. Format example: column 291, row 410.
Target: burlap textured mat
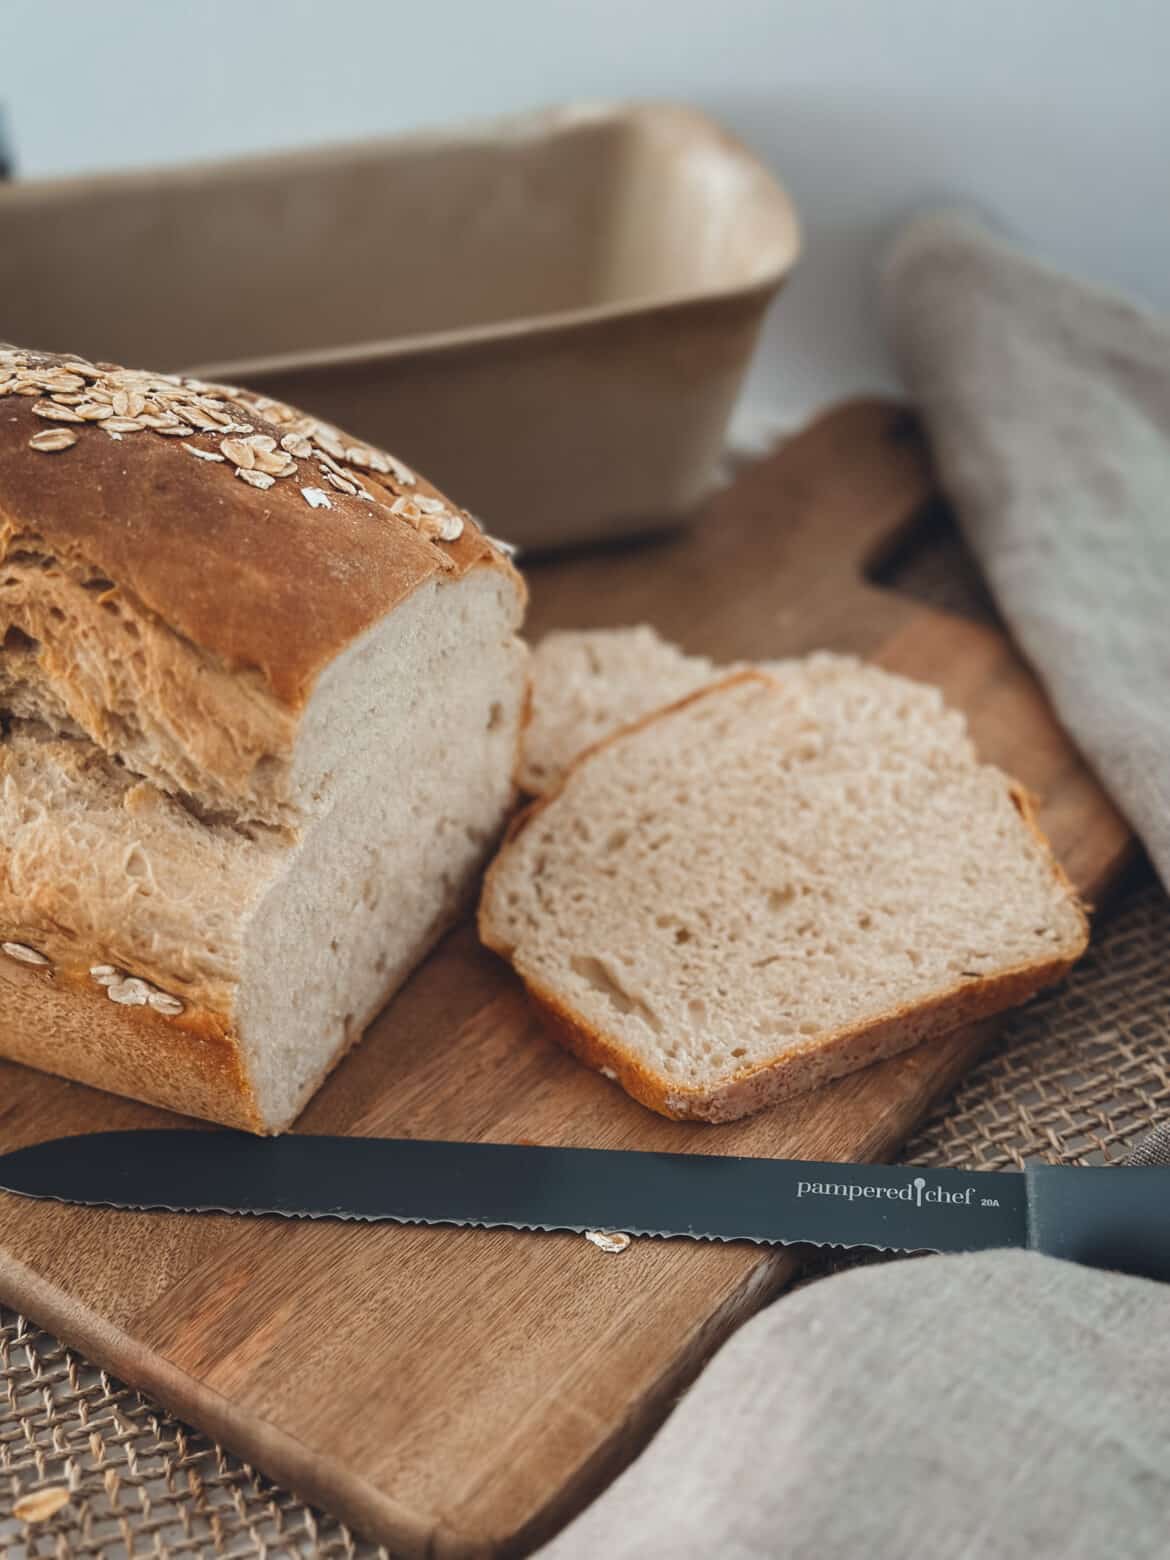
column 88, row 1468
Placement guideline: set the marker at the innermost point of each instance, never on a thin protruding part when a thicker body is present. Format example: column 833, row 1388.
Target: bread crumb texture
column 587, row 684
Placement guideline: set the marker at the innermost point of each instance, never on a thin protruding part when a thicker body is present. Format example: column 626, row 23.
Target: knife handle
column 1115, row 1218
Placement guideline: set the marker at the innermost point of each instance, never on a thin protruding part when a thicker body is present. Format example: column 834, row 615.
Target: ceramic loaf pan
column 551, row 314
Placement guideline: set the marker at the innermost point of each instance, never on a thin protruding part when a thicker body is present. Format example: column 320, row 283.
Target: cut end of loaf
column 775, row 882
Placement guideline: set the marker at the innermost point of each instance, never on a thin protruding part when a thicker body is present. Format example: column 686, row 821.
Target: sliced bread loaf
column 261, row 690
column 774, row 882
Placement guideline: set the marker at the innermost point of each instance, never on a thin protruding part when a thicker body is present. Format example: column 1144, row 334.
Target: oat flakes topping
column 239, row 452
column 128, row 403
column 399, row 472
column 163, row 1002
column 133, row 991
column 56, row 412
column 257, row 479
column 130, row 992
column 22, row 953
column 445, row 527
column 125, row 402
column 51, row 440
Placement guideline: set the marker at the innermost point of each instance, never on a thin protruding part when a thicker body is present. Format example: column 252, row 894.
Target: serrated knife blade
column 1116, row 1217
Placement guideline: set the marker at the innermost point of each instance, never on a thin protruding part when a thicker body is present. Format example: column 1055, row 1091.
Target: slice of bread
column 773, row 882
column 587, row 684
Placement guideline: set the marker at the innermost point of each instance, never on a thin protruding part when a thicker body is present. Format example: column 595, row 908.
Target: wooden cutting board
column 460, row 1391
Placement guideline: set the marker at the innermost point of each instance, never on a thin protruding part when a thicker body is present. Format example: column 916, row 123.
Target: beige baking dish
column 550, row 315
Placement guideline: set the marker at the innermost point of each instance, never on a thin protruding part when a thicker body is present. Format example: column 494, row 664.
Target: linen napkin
column 1048, row 406
column 1004, row 1405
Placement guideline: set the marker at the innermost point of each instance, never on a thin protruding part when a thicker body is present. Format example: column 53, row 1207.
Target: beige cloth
column 955, row 1408
column 1048, row 405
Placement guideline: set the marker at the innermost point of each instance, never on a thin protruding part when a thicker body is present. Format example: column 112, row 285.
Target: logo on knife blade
column 919, row 1192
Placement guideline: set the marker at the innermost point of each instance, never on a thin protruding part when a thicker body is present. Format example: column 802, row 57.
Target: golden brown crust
column 817, row 1060
column 254, row 577
column 62, row 1023
column 812, row 1063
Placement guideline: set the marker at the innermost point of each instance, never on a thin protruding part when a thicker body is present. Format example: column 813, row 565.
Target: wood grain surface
column 464, row 1391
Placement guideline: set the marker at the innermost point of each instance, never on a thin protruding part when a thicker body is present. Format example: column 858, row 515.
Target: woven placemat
column 1080, row 1075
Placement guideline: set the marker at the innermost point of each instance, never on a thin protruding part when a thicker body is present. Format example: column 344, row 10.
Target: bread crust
column 812, row 1062
column 56, row 1019
column 224, row 564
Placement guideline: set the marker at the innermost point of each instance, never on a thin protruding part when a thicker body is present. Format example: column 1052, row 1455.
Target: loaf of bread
column 775, row 881
column 260, row 691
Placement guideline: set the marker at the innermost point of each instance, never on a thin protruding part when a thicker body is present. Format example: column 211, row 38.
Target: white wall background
column 1052, row 115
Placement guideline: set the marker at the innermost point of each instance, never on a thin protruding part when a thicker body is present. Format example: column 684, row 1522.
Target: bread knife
column 1114, row 1218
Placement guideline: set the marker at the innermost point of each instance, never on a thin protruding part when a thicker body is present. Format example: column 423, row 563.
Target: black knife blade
column 1122, row 1216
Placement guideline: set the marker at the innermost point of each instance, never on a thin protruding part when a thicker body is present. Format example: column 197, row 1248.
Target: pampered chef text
column 917, row 1192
